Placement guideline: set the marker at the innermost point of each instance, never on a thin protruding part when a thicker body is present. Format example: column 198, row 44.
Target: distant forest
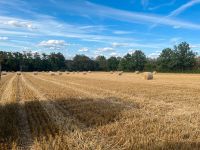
column 179, row 59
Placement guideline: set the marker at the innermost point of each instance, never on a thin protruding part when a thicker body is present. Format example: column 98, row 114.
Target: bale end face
column 148, row 76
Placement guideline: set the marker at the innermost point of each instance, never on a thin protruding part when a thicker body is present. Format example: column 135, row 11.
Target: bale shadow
column 93, row 112
column 87, row 113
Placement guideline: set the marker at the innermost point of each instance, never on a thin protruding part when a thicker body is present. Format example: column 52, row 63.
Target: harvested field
column 99, row 111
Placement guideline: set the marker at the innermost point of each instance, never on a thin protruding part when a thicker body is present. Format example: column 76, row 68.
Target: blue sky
column 96, row 27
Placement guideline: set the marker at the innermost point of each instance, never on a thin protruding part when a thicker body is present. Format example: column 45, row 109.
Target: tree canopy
column 179, row 59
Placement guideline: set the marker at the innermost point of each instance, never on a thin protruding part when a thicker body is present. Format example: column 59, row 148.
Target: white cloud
column 155, row 54
column 120, row 32
column 128, row 16
column 177, row 12
column 105, row 49
column 53, row 44
column 115, row 44
column 114, row 54
column 184, row 7
column 3, row 38
column 17, row 23
column 84, row 49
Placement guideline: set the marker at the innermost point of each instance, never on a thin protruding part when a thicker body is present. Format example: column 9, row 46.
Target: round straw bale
column 148, row 76
column 120, row 73
column 137, row 72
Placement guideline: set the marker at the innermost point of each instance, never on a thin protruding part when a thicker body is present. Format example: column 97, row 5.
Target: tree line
column 179, row 59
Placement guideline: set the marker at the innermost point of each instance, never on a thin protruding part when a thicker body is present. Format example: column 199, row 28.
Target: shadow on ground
column 90, row 113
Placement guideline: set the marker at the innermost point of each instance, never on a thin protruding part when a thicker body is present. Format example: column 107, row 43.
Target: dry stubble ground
column 99, row 111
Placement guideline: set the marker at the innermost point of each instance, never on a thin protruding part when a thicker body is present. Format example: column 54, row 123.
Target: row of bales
column 147, row 75
column 68, row 72
column 6, row 73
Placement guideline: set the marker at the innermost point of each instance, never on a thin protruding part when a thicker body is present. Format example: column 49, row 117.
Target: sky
column 97, row 27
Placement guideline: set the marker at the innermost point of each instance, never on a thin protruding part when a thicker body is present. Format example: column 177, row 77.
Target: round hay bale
column 18, row 73
column 120, row 73
column 35, row 73
column 148, row 76
column 89, row 71
column 84, row 73
column 52, row 74
column 137, row 72
column 155, row 72
column 67, row 72
column 4, row 73
column 60, row 73
column 111, row 72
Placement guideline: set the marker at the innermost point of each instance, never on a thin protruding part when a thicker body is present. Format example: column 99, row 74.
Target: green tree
column 83, row 63
column 102, row 63
column 133, row 62
column 151, row 64
column 166, row 60
column 113, row 63
column 139, row 59
column 184, row 56
column 127, row 63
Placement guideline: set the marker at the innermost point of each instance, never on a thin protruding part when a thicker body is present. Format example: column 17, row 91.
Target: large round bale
column 52, row 74
column 137, row 72
column 60, row 73
column 89, row 71
column 35, row 73
column 120, row 73
column 84, row 73
column 148, row 76
column 19, row 73
column 67, row 72
column 111, row 72
column 154, row 72
column 4, row 73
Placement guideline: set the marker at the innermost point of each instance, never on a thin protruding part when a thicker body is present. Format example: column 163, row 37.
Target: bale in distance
column 154, row 72
column 35, row 73
column 4, row 73
column 18, row 73
column 148, row 76
column 84, row 73
column 52, row 74
column 120, row 73
column 137, row 72
column 111, row 72
column 60, row 73
column 89, row 71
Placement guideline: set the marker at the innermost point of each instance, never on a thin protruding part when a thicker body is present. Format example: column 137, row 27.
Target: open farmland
column 99, row 111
